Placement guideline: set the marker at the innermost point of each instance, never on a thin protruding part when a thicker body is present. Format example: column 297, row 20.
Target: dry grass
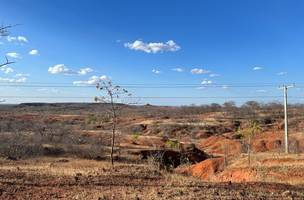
column 69, row 178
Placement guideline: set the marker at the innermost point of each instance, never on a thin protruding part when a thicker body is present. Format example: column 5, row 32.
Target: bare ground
column 61, row 178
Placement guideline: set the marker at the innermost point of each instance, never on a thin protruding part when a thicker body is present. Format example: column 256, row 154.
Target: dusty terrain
column 60, row 151
column 61, row 178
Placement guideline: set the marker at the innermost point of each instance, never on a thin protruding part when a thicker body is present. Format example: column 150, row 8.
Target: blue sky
column 209, row 42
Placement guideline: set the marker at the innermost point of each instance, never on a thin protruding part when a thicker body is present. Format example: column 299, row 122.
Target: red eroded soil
column 238, row 175
column 204, row 170
column 267, row 141
column 217, row 145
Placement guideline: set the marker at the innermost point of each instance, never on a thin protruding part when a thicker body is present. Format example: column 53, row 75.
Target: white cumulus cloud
column 34, row 52
column 59, row 69
column 206, row 82
column 257, row 68
column 13, row 55
column 199, row 71
column 155, row 71
column 84, row 71
column 93, row 80
column 11, row 39
column 62, row 69
column 20, row 39
column 152, row 47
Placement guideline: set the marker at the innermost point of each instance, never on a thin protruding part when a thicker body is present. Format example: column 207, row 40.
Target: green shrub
column 135, row 136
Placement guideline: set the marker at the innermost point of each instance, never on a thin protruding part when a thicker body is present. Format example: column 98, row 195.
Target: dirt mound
column 238, row 175
column 217, row 145
column 205, row 170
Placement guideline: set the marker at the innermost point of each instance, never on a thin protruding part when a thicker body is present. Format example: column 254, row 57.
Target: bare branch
column 7, row 62
column 4, row 30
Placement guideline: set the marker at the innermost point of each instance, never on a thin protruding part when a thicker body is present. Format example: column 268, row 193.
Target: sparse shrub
column 16, row 145
column 172, row 144
column 91, row 119
column 294, row 147
column 253, row 129
column 135, row 136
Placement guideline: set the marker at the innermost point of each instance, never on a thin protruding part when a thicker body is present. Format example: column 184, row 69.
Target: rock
column 12, row 158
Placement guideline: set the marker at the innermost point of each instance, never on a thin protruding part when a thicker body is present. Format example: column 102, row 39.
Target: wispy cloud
column 51, row 90
column 178, row 69
column 261, row 91
column 155, row 71
column 152, row 47
column 13, row 80
column 34, row 52
column 22, row 75
column 225, row 86
column 199, row 71
column 93, row 80
column 201, row 88
column 206, row 82
column 62, row 69
column 282, row 73
column 13, row 55
column 7, row 69
column 214, row 75
column 257, row 68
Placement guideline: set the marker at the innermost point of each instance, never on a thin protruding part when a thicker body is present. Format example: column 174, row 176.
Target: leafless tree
column 112, row 95
column 4, row 31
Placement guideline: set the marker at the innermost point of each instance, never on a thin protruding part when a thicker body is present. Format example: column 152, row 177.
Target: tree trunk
column 249, row 151
column 114, row 121
column 113, row 143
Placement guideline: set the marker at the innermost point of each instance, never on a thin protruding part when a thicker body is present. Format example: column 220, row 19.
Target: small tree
column 253, row 129
column 111, row 95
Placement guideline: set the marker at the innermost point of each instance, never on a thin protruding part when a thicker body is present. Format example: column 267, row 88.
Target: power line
column 142, row 85
column 157, row 97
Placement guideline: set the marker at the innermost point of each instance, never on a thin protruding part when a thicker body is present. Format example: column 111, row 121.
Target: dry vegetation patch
column 67, row 178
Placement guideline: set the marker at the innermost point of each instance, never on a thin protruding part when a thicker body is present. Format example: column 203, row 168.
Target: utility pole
column 285, row 88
